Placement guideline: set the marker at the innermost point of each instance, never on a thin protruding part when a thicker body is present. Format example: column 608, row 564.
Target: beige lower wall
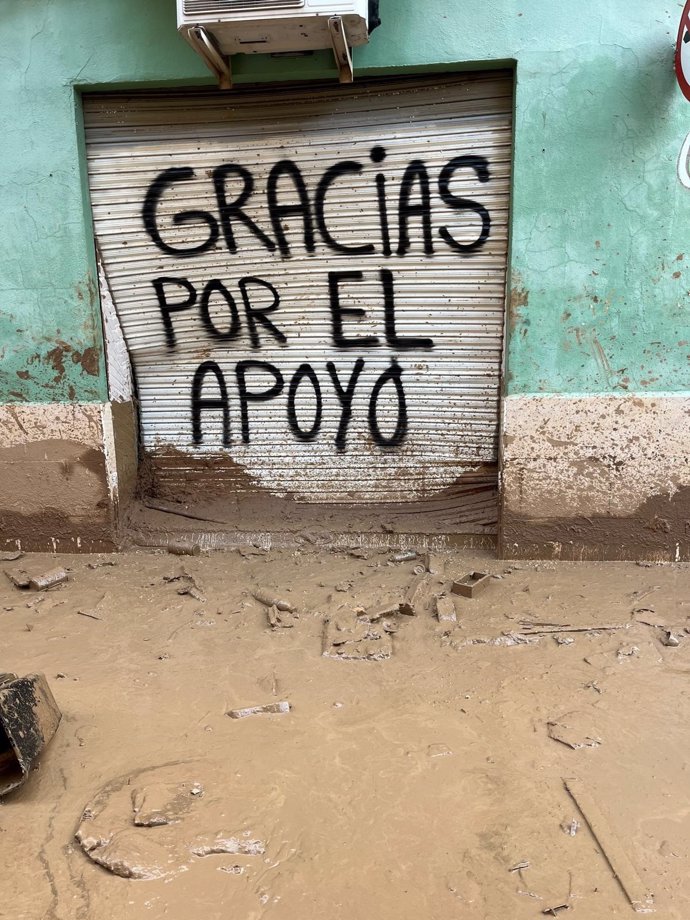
column 54, row 484
column 594, row 477
column 586, row 477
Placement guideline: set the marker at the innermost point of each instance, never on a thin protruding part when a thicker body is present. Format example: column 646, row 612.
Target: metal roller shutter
column 420, row 251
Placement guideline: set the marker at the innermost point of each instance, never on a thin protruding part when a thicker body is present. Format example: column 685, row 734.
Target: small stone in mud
column 627, row 651
column 671, row 639
column 343, row 586
column 564, row 640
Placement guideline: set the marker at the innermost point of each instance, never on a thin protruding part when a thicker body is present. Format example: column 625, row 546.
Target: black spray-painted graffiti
column 248, row 312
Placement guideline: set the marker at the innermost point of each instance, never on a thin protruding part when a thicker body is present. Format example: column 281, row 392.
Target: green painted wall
column 601, row 224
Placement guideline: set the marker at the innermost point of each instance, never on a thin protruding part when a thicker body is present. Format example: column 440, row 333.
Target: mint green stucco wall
column 600, row 225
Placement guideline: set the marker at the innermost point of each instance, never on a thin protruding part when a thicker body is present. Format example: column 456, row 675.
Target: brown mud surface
column 418, row 773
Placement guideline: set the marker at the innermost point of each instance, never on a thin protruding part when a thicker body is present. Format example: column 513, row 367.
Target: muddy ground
column 429, row 784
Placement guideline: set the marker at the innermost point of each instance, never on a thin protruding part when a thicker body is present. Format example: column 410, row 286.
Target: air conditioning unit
column 220, row 28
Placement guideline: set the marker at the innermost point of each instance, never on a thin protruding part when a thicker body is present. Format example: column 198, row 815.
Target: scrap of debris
column 29, row 717
column 406, row 556
column 19, row 578
column 350, row 635
column 671, row 639
column 554, row 911
column 571, row 729
column 471, row 585
column 268, row 600
column 546, row 629
column 282, row 619
column 38, row 582
column 188, row 585
column 163, row 803
column 413, row 601
column 445, row 609
column 282, row 706
column 48, row 579
column 11, row 556
column 570, row 827
column 213, row 846
column 505, row 639
column 383, row 610
column 184, row 549
column 641, row 900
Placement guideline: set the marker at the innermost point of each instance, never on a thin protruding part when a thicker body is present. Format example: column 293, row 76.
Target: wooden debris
column 414, row 597
column 641, row 900
column 471, row 585
column 546, row 629
column 88, row 613
column 282, row 706
column 554, row 911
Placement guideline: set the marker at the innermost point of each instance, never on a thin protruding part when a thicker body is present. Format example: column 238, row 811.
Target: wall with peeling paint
column 600, row 261
column 600, row 218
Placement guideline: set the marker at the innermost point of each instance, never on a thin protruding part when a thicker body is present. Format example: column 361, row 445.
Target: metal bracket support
column 341, row 49
column 216, row 62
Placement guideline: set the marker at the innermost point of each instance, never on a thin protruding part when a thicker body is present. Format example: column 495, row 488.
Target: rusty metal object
column 29, row 717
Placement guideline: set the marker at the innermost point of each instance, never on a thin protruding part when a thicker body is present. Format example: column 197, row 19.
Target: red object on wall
column 683, row 52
